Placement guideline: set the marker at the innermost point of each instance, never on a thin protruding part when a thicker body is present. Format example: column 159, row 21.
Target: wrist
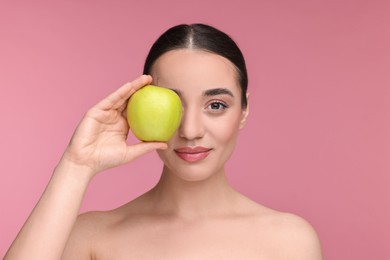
column 71, row 168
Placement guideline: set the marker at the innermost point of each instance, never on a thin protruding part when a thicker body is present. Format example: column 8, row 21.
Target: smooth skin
column 192, row 212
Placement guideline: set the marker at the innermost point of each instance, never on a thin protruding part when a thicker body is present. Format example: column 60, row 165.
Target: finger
column 137, row 150
column 116, row 99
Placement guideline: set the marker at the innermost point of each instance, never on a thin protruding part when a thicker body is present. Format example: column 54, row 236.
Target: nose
column 191, row 126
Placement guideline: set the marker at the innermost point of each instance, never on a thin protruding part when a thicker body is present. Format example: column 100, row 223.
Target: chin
column 189, row 172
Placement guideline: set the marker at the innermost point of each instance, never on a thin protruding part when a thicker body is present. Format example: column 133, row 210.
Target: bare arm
column 98, row 143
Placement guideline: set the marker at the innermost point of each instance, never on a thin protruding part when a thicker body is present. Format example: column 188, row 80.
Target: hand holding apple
column 154, row 113
column 100, row 140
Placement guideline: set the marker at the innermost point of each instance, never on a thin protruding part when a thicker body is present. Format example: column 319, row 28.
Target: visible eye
column 216, row 105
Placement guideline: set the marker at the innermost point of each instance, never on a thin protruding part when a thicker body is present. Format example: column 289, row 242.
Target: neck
column 192, row 199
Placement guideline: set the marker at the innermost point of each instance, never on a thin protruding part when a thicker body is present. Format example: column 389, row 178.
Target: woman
column 192, row 212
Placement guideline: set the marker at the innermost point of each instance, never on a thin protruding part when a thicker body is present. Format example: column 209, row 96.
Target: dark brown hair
column 202, row 37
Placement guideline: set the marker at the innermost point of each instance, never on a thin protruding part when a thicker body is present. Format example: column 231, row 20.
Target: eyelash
column 221, row 105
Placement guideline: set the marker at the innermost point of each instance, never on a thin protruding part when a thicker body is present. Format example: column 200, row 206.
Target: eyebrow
column 217, row 91
column 210, row 92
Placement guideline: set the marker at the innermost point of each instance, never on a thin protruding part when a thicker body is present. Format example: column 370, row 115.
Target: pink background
column 317, row 142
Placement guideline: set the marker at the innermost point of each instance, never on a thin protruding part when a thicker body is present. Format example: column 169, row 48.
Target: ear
column 244, row 113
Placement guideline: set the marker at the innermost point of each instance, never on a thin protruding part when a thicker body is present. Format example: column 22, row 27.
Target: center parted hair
column 201, row 37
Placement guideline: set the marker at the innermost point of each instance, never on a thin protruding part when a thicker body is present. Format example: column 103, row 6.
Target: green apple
column 154, row 113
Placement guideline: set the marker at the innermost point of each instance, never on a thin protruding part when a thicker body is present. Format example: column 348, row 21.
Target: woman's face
column 212, row 113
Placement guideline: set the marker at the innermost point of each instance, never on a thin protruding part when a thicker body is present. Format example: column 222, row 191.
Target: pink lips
column 193, row 154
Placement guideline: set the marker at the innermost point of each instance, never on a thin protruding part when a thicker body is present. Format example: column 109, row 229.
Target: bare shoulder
column 300, row 239
column 95, row 230
column 292, row 236
column 88, row 228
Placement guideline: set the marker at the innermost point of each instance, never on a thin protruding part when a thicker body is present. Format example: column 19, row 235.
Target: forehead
column 194, row 69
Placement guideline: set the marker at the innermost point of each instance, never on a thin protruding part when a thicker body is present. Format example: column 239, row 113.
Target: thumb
column 137, row 150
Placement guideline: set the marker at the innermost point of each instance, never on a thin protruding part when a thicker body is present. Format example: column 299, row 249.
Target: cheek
column 223, row 129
